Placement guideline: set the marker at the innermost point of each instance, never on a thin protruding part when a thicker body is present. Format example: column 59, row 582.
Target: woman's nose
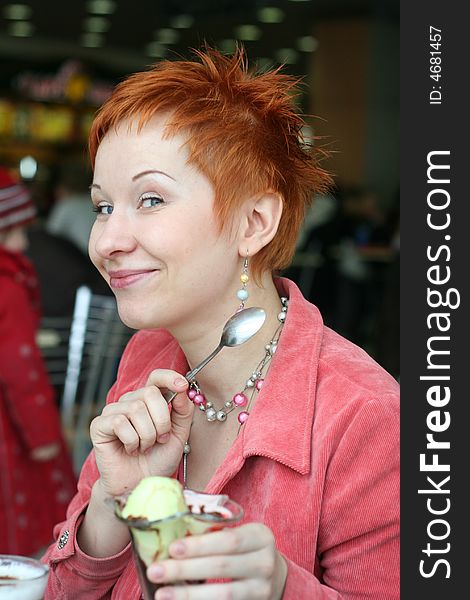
column 113, row 235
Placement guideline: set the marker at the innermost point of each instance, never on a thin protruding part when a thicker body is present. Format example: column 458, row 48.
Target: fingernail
column 162, row 439
column 180, row 382
column 165, row 594
column 178, row 549
column 155, row 572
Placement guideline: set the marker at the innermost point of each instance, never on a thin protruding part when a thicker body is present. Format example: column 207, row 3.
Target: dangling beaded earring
column 242, row 293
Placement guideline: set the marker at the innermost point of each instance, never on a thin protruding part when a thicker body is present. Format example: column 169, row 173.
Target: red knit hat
column 16, row 206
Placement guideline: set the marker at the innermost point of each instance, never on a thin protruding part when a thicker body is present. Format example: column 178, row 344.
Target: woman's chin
column 136, row 319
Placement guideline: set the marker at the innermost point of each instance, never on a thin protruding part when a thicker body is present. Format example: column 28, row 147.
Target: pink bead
column 259, row 384
column 242, row 417
column 240, row 399
column 191, row 393
column 199, row 399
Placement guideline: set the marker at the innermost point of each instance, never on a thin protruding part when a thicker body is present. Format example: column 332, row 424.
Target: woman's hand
column 247, row 555
column 138, row 436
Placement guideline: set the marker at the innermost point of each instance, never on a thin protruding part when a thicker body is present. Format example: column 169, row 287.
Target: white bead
column 228, row 404
column 281, row 316
column 221, row 415
column 249, row 383
column 211, row 414
column 242, row 295
column 209, row 405
column 187, row 448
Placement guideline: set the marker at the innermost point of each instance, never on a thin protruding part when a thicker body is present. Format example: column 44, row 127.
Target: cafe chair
column 52, row 339
column 97, row 340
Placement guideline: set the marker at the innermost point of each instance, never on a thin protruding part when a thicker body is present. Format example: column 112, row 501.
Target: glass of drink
column 151, row 539
column 22, row 578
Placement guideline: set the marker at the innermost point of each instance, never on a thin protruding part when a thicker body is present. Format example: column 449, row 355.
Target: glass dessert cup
column 151, row 539
column 22, row 578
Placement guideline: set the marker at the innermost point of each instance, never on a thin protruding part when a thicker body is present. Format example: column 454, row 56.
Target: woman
column 200, row 186
column 36, row 477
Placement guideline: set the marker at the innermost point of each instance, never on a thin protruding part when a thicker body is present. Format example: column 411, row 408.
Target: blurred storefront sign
column 71, row 83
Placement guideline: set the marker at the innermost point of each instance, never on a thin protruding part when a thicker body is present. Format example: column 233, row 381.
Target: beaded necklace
column 243, row 399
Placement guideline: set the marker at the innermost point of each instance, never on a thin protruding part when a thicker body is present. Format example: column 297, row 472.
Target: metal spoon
column 237, row 330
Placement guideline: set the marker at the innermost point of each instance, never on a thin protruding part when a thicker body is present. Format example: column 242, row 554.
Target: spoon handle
column 190, row 375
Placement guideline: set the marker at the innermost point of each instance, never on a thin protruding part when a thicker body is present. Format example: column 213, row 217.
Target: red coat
column 33, row 495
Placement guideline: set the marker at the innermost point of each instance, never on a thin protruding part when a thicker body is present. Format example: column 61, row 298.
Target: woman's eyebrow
column 142, row 174
column 150, row 172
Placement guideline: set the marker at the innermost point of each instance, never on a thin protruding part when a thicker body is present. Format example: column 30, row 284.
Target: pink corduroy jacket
column 317, row 462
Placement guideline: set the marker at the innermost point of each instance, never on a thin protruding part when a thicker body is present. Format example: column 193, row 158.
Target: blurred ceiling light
column 96, row 24
column 307, row 43
column 247, row 33
column 21, row 28
column 101, row 7
column 17, row 11
column 229, row 46
column 270, row 14
column 167, row 36
column 28, row 167
column 182, row 21
column 155, row 49
column 92, row 40
column 287, row 56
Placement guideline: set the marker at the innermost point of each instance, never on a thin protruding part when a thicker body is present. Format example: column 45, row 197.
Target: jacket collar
column 280, row 425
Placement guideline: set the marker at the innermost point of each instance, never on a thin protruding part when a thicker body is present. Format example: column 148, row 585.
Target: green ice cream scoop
column 160, row 501
column 155, row 498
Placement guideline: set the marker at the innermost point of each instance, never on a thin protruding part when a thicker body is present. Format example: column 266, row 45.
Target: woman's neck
column 227, row 373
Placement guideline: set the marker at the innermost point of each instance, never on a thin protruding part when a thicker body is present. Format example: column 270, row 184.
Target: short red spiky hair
column 243, row 132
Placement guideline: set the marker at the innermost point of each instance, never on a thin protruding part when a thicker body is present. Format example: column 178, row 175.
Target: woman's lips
column 123, row 279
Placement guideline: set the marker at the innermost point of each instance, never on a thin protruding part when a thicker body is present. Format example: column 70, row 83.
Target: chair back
column 97, row 340
column 53, row 341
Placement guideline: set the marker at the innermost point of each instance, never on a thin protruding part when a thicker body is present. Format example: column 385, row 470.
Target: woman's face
column 155, row 240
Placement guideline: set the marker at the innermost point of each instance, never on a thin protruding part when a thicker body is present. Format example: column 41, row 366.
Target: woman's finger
column 147, row 411
column 248, row 589
column 165, row 378
column 107, row 429
column 232, row 540
column 137, row 412
column 238, row 566
column 159, row 412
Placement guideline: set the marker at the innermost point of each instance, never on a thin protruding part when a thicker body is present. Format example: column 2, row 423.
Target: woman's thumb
column 182, row 410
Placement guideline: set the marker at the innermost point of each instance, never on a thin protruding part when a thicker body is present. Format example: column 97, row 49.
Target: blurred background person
column 71, row 216
column 61, row 268
column 36, row 476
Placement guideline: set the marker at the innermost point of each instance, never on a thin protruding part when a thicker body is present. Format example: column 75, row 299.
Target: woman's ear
column 260, row 221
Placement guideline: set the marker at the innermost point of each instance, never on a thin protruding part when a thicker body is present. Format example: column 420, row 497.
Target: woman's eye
column 103, row 209
column 151, row 201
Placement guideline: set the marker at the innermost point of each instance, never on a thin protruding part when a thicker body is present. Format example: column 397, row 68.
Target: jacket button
column 63, row 540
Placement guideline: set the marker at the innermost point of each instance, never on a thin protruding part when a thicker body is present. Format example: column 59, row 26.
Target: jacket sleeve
column 358, row 544
column 29, row 396
column 73, row 574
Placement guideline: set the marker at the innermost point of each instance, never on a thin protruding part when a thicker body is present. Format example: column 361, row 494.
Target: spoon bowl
column 241, row 327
